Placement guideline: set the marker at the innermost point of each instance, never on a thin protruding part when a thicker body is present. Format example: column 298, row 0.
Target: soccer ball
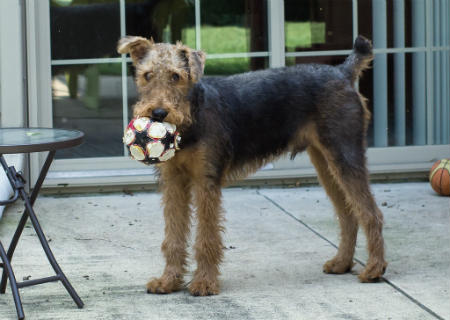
column 150, row 141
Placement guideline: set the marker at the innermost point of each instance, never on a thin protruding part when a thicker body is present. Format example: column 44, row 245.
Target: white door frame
column 12, row 89
column 39, row 74
column 12, row 82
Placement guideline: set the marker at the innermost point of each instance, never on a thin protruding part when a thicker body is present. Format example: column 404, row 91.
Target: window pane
column 392, row 110
column 133, row 94
column 398, row 21
column 83, row 29
column 402, row 108
column 233, row 26
column 89, row 98
column 215, row 67
column 318, row 25
column 165, row 21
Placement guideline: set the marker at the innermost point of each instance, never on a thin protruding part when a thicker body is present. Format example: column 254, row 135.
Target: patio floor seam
column 390, row 283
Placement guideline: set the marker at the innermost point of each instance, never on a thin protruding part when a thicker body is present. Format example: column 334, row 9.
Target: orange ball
column 440, row 177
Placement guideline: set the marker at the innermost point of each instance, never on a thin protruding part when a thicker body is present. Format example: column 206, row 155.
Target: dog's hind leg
column 176, row 199
column 343, row 261
column 346, row 159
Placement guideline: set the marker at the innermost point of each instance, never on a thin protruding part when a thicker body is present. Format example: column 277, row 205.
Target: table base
column 17, row 182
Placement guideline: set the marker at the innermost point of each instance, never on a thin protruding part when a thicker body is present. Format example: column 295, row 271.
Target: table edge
column 49, row 146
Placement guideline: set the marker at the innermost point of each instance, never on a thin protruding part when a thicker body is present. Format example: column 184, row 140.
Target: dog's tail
column 359, row 59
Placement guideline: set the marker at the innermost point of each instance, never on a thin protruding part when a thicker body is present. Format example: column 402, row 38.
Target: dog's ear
column 137, row 47
column 197, row 64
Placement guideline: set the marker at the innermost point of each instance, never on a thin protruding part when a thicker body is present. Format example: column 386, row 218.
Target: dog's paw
column 373, row 271
column 204, row 287
column 337, row 266
column 163, row 285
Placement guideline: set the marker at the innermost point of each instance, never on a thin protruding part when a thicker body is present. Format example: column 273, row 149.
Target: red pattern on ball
column 143, row 136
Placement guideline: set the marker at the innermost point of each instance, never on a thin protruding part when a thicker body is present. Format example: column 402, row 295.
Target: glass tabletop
column 21, row 140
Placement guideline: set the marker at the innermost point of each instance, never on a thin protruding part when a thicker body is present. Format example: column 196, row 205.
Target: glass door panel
column 88, row 97
column 92, row 85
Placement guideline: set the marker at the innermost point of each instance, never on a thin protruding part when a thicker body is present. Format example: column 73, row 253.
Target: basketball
column 440, row 177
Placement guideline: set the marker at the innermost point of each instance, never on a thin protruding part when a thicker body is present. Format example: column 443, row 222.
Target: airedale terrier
column 227, row 125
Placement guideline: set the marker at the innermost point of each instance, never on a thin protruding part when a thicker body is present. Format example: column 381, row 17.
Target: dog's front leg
column 208, row 243
column 176, row 199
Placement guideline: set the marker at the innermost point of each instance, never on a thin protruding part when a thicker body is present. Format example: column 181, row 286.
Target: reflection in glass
column 318, row 25
column 163, row 20
column 399, row 112
column 132, row 92
column 233, row 26
column 89, row 98
column 82, row 29
column 222, row 67
column 399, row 19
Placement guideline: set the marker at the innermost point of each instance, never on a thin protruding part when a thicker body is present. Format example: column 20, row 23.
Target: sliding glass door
column 91, row 87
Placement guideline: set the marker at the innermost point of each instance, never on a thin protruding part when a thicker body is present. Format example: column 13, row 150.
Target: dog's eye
column 175, row 77
column 147, row 76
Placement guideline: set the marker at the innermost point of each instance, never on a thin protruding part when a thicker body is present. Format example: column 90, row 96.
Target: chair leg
column 48, row 251
column 12, row 247
column 12, row 282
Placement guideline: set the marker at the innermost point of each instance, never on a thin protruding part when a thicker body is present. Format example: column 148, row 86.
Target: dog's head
column 164, row 75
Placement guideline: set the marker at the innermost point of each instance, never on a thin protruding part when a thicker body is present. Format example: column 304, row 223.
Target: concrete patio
column 277, row 240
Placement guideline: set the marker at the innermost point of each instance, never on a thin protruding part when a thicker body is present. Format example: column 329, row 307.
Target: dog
column 231, row 126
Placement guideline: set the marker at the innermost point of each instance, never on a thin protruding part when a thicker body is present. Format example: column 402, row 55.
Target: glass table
column 27, row 140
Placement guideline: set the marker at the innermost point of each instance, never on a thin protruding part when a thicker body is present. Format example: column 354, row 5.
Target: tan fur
column 343, row 261
column 354, row 204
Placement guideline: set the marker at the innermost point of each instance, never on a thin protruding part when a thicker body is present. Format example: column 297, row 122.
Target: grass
column 303, row 34
column 228, row 39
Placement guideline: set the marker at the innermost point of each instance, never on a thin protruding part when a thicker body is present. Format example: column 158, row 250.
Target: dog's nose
column 159, row 114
